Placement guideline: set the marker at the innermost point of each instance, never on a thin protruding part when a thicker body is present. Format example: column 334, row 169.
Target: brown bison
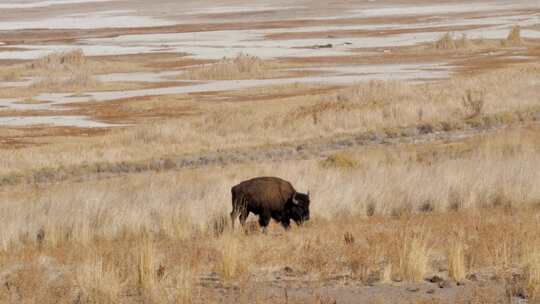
column 269, row 197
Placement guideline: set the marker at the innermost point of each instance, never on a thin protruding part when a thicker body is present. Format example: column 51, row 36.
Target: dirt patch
column 286, row 287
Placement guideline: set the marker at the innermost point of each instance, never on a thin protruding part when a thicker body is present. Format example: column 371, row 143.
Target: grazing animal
column 269, row 197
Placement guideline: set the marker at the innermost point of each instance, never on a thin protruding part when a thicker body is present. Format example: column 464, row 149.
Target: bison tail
column 239, row 205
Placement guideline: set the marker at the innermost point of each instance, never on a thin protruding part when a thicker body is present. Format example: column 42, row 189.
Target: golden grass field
column 421, row 192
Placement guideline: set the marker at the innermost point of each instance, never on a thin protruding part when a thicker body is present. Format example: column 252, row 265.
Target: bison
column 269, row 197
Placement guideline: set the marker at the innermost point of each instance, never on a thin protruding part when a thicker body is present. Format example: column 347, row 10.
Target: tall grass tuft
column 58, row 60
column 179, row 286
column 243, row 66
column 514, row 37
column 456, row 261
column 97, row 282
column 473, row 103
column 233, row 259
column 77, row 80
column 146, row 267
column 413, row 256
column 446, row 42
column 532, row 271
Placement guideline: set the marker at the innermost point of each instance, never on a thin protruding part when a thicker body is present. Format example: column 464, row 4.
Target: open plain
column 413, row 124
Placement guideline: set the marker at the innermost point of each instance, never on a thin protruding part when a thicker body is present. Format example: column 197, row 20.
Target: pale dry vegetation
column 60, row 61
column 430, row 188
column 243, row 66
column 393, row 214
column 514, row 37
column 452, row 42
column 387, row 109
column 457, row 265
column 448, row 42
column 156, row 236
column 76, row 81
column 67, row 72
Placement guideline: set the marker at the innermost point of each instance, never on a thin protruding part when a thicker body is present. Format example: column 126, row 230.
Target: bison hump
column 266, row 192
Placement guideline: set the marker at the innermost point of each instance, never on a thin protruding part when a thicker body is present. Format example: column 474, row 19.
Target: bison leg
column 285, row 223
column 243, row 217
column 264, row 220
column 234, row 215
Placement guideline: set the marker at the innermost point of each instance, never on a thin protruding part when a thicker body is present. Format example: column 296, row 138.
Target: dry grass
column 340, row 160
column 473, row 104
column 98, row 283
column 179, row 287
column 514, row 37
column 457, row 270
column 76, row 82
column 60, row 60
column 147, row 267
column 449, row 41
column 494, row 179
column 390, row 108
column 67, row 72
column 452, row 42
column 414, row 254
column 10, row 75
column 115, row 275
column 233, row 260
column 532, row 271
column 243, row 66
column 71, row 72
column 446, row 42
column 379, row 213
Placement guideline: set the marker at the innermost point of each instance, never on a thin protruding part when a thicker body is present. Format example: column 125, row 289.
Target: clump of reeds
column 233, row 260
column 532, row 271
column 58, row 60
column 514, row 37
column 413, row 256
column 240, row 67
column 456, row 261
column 473, row 103
column 75, row 81
column 448, row 42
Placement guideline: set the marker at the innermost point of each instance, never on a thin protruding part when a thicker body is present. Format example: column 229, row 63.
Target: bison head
column 300, row 207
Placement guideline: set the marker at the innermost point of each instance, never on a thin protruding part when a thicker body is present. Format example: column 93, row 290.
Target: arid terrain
column 414, row 125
